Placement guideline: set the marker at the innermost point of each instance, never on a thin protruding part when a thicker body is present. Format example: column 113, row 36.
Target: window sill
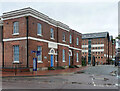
column 64, row 61
column 15, row 62
column 15, row 34
column 40, row 61
column 39, row 35
column 52, row 38
column 64, row 41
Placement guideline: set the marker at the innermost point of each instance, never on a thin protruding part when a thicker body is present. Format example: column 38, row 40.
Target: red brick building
column 1, row 44
column 100, row 45
column 27, row 30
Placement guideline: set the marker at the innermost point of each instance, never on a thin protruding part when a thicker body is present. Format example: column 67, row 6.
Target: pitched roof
column 95, row 35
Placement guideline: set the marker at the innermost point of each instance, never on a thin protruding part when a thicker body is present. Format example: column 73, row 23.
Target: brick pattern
column 32, row 44
column 100, row 56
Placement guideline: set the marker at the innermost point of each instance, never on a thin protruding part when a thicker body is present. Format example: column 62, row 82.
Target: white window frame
column 63, row 37
column 39, row 29
column 39, row 61
column 56, row 58
column 77, row 39
column 77, row 57
column 70, row 38
column 16, row 28
column 14, row 57
column 63, row 55
column 51, row 33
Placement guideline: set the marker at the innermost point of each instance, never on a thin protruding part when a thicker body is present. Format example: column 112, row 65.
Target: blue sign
column 38, row 53
column 34, row 64
column 33, row 51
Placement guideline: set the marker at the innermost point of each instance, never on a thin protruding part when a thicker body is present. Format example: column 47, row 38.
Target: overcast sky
column 85, row 16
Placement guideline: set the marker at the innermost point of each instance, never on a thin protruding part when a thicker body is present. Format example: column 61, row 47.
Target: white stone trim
column 98, row 50
column 75, row 48
column 14, row 39
column 15, row 34
column 83, row 46
column 97, row 45
column 40, row 61
column 15, row 61
column 84, row 50
column 37, row 39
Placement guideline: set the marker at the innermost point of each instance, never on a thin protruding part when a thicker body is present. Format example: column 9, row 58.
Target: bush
column 51, row 68
column 71, row 66
column 83, row 63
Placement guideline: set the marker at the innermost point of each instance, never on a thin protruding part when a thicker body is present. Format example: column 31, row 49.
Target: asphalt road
column 98, row 77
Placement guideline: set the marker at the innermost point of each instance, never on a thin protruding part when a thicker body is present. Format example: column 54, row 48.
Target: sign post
column 34, row 64
column 37, row 53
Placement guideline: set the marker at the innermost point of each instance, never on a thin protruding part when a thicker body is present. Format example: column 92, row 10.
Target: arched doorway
column 52, row 53
column 70, row 54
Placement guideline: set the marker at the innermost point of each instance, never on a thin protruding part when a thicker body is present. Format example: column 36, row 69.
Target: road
column 97, row 77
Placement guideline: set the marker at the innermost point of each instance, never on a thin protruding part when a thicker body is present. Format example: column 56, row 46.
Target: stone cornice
column 29, row 11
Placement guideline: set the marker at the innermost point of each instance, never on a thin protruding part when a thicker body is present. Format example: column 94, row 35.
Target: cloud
column 84, row 16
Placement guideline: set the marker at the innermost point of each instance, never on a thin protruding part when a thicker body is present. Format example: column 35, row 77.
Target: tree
column 118, row 37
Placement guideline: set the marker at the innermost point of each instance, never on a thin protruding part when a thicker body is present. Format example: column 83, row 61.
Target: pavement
column 97, row 77
column 43, row 72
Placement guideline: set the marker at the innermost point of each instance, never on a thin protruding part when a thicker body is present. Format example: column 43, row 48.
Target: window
column 77, row 59
column 51, row 33
column 15, row 27
column 56, row 58
column 70, row 38
column 39, row 48
column 16, row 53
column 63, row 55
column 63, row 37
column 39, row 29
column 77, row 41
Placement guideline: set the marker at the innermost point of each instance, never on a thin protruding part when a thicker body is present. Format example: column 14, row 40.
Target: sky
column 84, row 16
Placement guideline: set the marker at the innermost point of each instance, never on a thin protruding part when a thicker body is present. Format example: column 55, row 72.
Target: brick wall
column 0, row 46
column 99, row 56
column 32, row 44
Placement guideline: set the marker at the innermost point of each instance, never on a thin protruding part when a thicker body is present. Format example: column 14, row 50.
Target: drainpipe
column 72, row 49
column 57, row 49
column 2, row 47
column 27, row 41
column 108, row 50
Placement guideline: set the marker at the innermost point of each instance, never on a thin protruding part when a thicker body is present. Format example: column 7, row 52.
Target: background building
column 99, row 45
column 27, row 30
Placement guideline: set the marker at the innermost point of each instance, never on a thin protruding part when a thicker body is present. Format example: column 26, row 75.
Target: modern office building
column 27, row 30
column 100, row 45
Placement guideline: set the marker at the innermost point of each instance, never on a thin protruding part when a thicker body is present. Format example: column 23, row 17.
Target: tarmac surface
column 98, row 77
